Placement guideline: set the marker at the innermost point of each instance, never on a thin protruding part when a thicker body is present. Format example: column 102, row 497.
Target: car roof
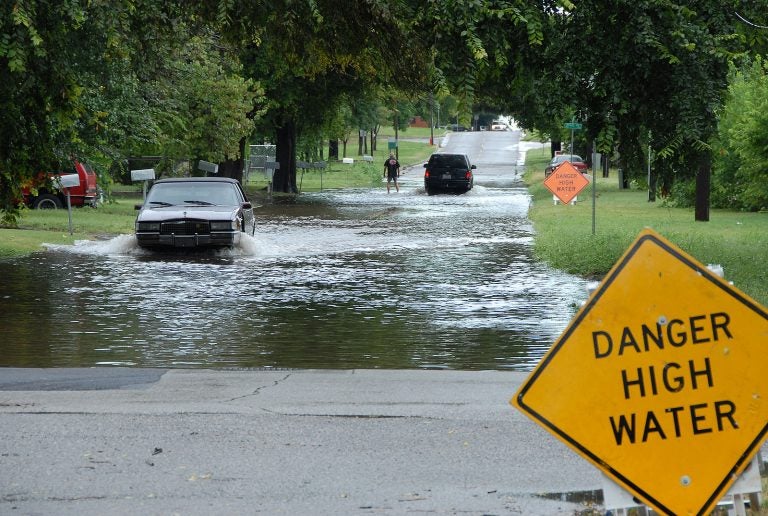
column 197, row 180
column 450, row 154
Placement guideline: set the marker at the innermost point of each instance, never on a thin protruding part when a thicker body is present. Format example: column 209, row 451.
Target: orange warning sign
column 566, row 182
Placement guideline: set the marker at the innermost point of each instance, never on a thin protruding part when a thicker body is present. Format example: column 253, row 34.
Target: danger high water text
column 691, row 376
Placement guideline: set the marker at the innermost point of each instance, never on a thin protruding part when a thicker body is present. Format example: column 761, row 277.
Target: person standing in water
column 392, row 170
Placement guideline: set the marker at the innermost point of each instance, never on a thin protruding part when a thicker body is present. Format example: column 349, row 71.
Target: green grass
column 36, row 227
column 360, row 174
column 738, row 241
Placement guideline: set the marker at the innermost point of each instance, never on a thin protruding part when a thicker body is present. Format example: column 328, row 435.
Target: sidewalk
column 277, row 442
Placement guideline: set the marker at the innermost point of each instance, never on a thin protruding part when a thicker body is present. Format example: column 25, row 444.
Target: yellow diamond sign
column 659, row 380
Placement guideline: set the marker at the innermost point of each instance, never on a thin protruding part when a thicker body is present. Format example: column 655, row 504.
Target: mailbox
column 206, row 166
column 69, row 180
column 145, row 174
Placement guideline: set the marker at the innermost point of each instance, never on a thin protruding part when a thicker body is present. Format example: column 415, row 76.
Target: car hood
column 163, row 213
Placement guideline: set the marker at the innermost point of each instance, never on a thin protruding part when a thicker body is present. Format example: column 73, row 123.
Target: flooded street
column 336, row 279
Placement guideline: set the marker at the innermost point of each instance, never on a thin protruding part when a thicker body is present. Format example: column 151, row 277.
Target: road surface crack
column 258, row 390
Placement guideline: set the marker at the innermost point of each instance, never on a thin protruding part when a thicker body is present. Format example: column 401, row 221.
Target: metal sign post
column 303, row 165
column 321, row 165
column 573, row 126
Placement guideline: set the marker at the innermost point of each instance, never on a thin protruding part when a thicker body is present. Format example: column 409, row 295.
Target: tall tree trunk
column 233, row 167
column 703, row 175
column 333, row 149
column 284, row 179
column 373, row 140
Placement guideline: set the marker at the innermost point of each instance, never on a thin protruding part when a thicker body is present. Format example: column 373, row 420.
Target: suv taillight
column 426, row 174
column 469, row 174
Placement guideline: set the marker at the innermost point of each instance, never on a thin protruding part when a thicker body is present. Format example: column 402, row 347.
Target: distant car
column 448, row 172
column 577, row 162
column 456, row 128
column 195, row 212
column 498, row 125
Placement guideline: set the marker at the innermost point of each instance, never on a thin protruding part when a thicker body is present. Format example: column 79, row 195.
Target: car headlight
column 223, row 225
column 147, row 226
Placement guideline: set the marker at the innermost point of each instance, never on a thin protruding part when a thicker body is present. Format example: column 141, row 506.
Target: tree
column 203, row 106
column 658, row 67
column 109, row 79
column 58, row 62
column 478, row 47
column 741, row 177
column 308, row 53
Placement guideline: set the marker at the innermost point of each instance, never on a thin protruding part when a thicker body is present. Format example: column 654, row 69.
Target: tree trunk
column 360, row 142
column 333, row 149
column 703, row 175
column 554, row 146
column 284, row 179
column 373, row 140
column 233, row 167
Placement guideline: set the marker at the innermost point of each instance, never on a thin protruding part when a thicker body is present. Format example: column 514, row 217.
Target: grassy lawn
column 360, row 174
column 738, row 241
column 36, row 227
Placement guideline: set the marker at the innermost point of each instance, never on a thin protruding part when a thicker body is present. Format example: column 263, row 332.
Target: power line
column 749, row 22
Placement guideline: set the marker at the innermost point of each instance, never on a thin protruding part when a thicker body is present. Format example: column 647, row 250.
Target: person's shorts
column 391, row 176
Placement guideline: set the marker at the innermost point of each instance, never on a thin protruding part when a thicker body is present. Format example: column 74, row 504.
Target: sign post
column 573, row 125
column 659, row 380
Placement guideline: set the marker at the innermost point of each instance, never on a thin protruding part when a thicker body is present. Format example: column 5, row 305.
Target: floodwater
column 335, row 279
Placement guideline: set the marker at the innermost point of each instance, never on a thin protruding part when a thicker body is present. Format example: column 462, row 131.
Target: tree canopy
column 198, row 79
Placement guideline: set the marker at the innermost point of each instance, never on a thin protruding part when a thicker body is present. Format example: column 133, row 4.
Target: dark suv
column 448, row 172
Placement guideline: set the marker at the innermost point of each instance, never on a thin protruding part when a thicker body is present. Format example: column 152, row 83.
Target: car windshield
column 567, row 157
column 206, row 194
column 448, row 160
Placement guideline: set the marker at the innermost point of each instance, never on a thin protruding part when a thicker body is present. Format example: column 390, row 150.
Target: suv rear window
column 448, row 160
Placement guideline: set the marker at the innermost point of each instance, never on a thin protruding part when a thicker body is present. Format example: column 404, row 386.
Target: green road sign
column 572, row 125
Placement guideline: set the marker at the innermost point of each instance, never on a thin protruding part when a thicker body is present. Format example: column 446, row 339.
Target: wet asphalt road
column 144, row 441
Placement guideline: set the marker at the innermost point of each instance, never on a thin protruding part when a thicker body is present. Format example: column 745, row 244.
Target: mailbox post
column 66, row 182
column 269, row 171
column 144, row 174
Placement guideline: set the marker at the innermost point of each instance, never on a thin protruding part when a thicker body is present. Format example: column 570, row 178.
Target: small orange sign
column 566, row 182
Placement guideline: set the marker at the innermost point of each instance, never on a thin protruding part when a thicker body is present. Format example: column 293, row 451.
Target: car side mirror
column 138, row 206
column 247, row 205
column 473, row 166
column 425, row 165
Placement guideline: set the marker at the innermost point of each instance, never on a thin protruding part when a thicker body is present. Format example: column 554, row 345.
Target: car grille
column 185, row 227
